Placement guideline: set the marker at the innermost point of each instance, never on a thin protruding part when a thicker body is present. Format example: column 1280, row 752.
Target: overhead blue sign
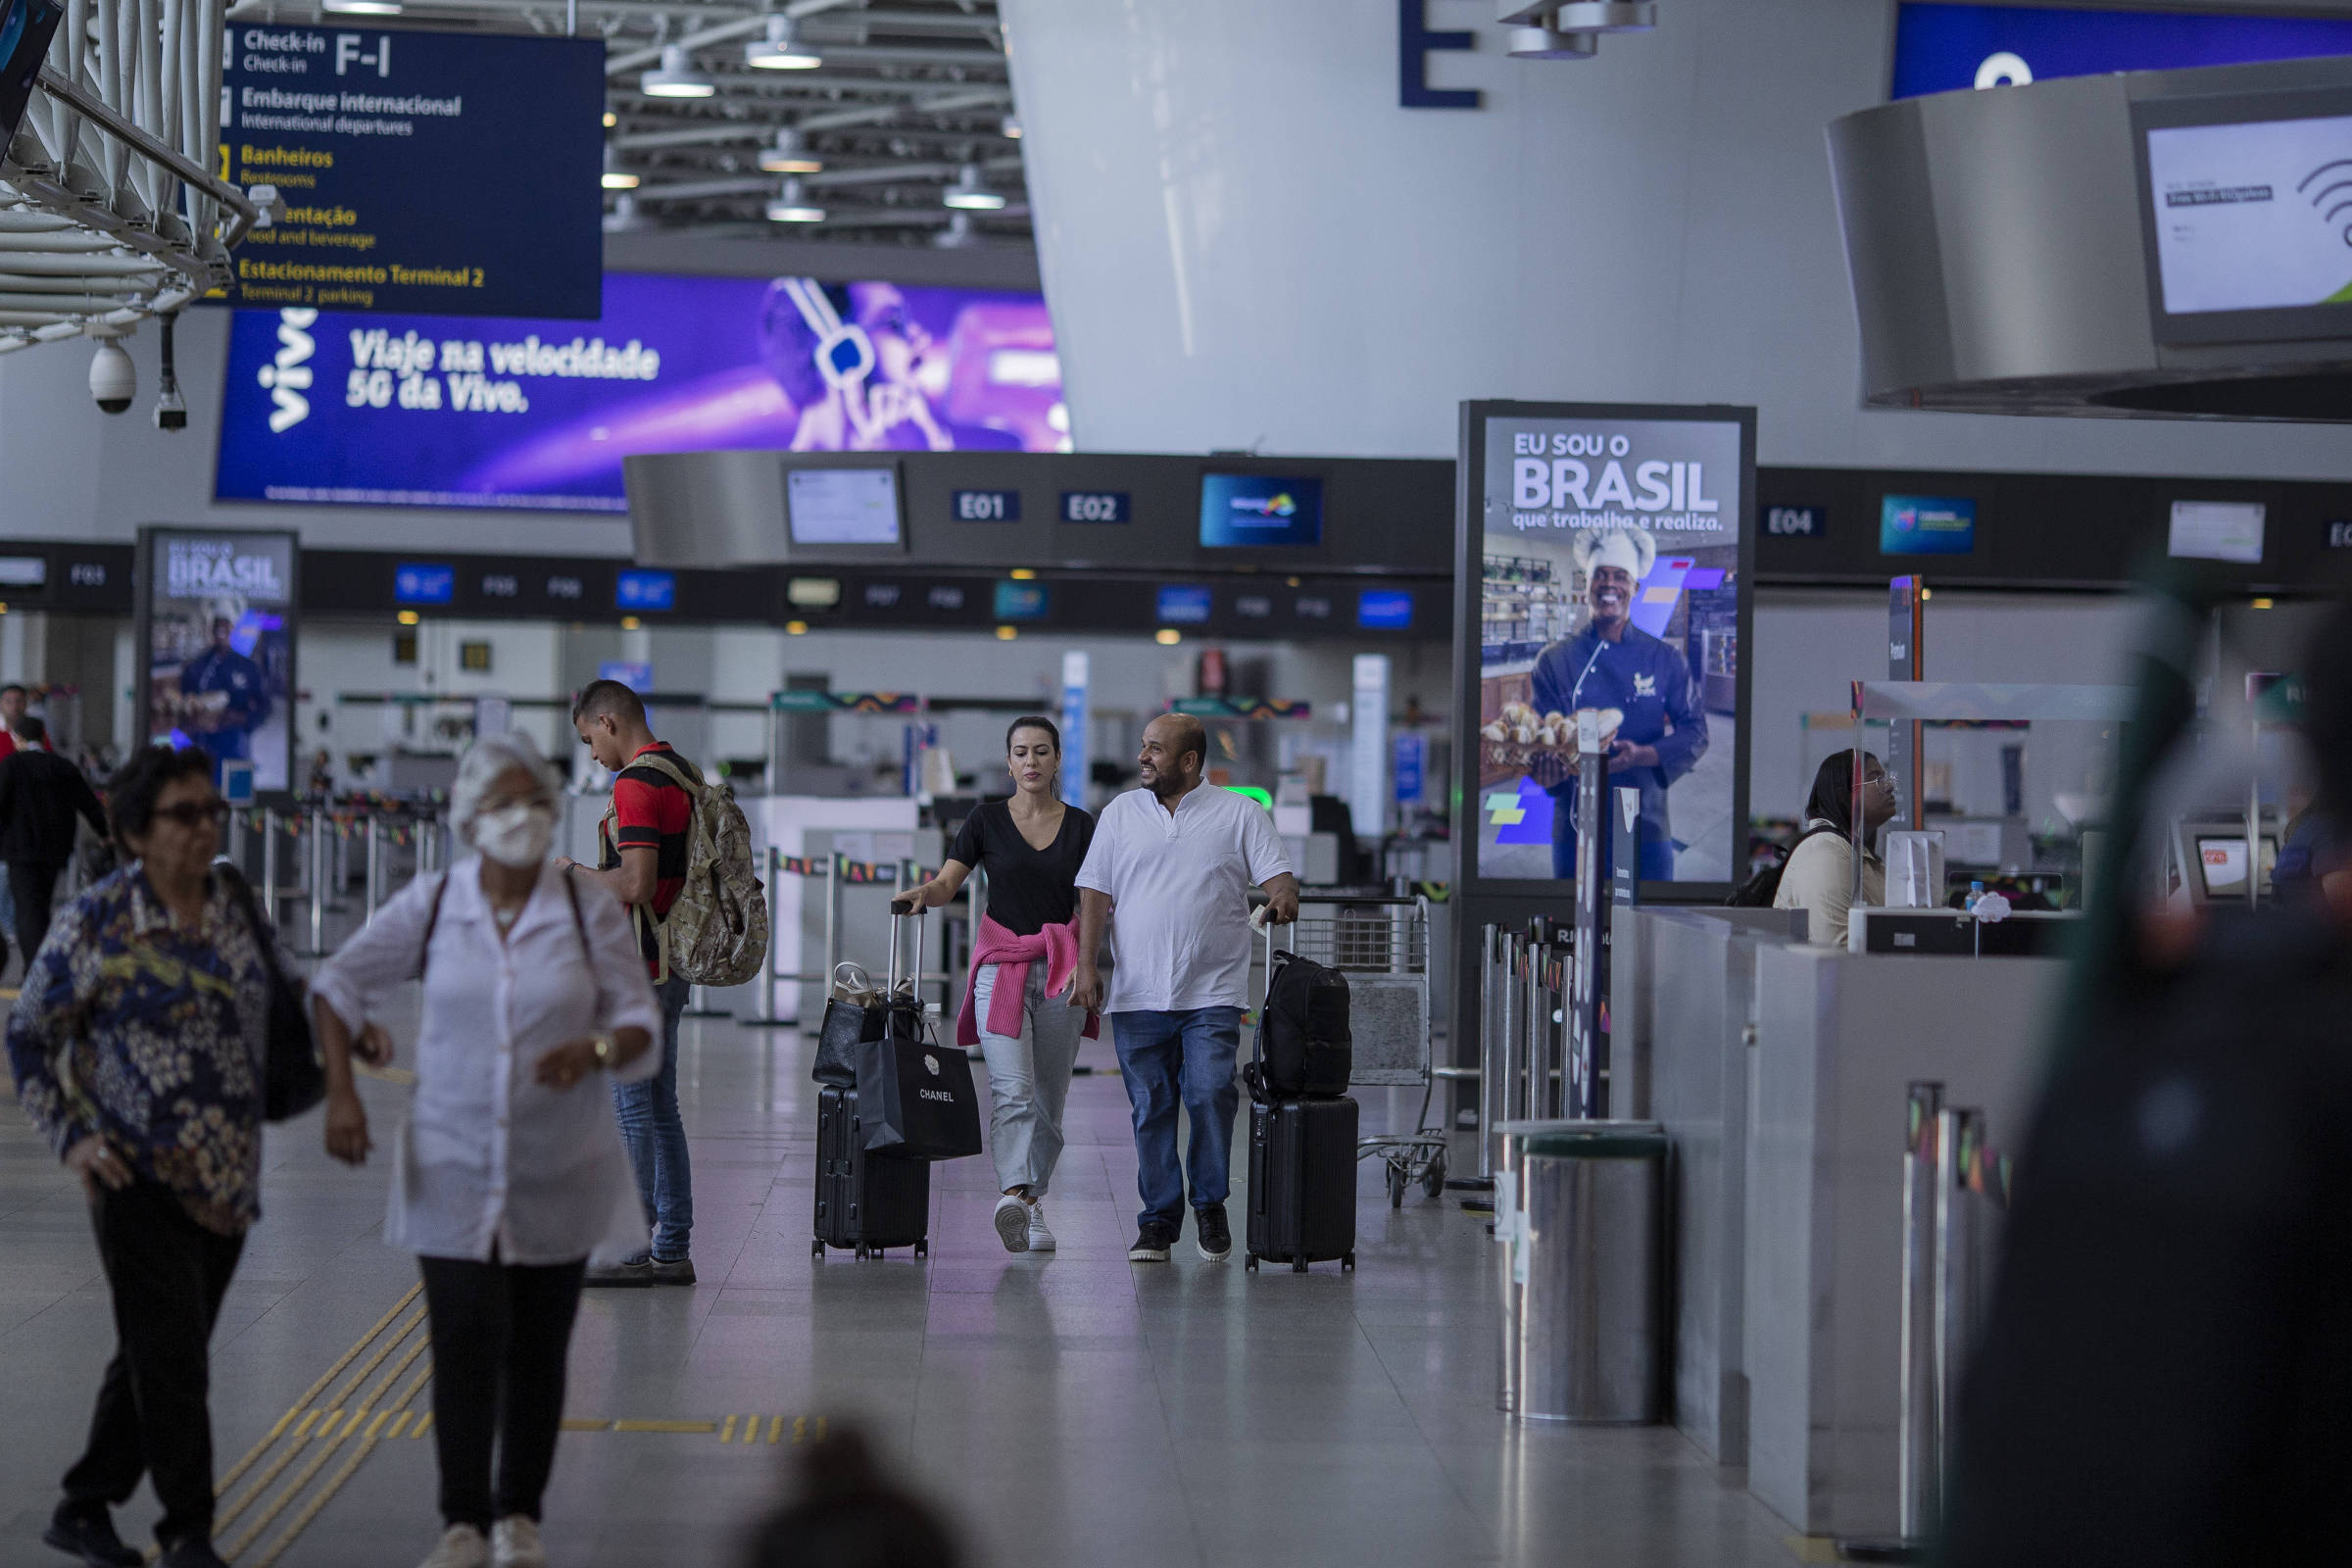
column 1182, row 606
column 1256, row 511
column 422, row 584
column 412, row 173
column 1927, row 525
column 647, row 589
column 1021, row 601
column 1943, row 48
column 1384, row 609
column 637, row 676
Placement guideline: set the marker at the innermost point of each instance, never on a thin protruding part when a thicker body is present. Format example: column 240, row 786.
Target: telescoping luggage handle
column 911, row 980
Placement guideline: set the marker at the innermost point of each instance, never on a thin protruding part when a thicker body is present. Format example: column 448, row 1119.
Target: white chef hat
column 1631, row 551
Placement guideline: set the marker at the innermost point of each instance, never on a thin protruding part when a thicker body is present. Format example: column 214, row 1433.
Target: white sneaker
column 1041, row 1240
column 515, row 1542
column 462, row 1547
column 1012, row 1223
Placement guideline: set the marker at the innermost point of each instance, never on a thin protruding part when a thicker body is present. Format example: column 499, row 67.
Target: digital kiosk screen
column 843, row 506
column 1610, row 560
column 2222, row 863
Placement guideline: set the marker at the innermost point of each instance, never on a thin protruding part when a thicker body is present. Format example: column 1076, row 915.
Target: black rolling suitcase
column 867, row 1202
column 1302, row 1182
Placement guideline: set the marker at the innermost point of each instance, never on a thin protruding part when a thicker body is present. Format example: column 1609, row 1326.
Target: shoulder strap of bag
column 240, row 893
column 432, row 924
column 579, row 924
column 666, row 762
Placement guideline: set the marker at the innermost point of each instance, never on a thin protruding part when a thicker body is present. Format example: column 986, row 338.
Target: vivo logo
column 288, row 375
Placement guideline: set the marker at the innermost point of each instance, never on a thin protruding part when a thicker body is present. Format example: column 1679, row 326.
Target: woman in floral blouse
column 136, row 1045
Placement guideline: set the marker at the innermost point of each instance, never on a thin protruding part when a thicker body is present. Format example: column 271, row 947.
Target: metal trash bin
column 1579, row 1211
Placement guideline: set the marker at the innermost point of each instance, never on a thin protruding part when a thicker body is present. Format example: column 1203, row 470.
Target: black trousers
column 501, row 1332
column 167, row 1275
column 33, row 884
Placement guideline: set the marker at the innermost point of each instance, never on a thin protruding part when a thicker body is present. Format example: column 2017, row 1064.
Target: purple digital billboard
column 432, row 410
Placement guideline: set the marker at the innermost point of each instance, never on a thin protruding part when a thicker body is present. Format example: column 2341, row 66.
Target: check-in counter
column 1779, row 1072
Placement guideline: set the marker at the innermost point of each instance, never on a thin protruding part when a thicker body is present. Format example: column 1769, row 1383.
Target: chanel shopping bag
column 916, row 1099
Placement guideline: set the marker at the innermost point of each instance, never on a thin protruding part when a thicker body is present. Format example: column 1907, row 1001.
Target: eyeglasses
column 195, row 813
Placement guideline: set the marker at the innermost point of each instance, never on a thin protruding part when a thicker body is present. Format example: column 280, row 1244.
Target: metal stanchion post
column 1536, row 1062
column 317, row 866
column 1921, row 1420
column 270, row 832
column 1959, row 1140
column 236, row 841
column 1494, row 1014
column 375, row 869
column 769, row 1017
column 832, row 916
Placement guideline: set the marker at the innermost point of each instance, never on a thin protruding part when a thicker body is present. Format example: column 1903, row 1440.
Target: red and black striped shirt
column 649, row 810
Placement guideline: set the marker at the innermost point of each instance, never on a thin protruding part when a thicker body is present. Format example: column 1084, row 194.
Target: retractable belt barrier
column 835, row 871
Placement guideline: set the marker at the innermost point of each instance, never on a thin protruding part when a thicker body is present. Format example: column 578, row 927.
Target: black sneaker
column 190, row 1551
column 90, row 1536
column 1151, row 1242
column 1214, row 1236
column 636, row 1272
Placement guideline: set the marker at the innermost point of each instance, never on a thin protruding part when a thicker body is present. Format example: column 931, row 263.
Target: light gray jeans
column 1028, row 1080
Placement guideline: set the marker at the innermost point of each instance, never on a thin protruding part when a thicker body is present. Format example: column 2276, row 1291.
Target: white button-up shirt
column 489, row 1154
column 1179, row 885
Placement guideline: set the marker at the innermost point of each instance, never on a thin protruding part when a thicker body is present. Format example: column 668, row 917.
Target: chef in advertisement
column 227, row 697
column 1653, row 725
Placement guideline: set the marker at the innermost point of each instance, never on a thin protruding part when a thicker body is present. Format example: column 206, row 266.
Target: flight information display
column 410, row 173
column 843, row 506
column 2248, row 215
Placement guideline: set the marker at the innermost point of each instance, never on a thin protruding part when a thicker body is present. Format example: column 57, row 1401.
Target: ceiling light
column 675, row 78
column 778, row 52
column 1542, row 43
column 1167, row 636
column 969, row 195
column 789, row 156
column 796, row 628
column 615, row 176
column 1005, row 634
column 1024, row 574
column 630, row 623
column 408, row 617
column 793, row 206
column 364, row 7
column 958, row 234
column 1011, row 127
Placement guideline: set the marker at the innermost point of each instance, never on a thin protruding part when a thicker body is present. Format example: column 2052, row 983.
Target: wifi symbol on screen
column 2330, row 187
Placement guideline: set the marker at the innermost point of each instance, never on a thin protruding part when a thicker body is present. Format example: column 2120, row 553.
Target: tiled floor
column 1068, row 1409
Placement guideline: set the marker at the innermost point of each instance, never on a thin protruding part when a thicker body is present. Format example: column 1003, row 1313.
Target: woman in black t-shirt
column 1024, row 956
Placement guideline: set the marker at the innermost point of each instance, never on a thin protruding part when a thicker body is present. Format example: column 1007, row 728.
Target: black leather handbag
column 292, row 1080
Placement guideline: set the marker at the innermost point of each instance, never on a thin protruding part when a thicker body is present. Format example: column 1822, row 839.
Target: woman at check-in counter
column 1818, row 874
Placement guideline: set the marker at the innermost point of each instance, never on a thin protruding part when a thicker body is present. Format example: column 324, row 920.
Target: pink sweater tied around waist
column 1012, row 956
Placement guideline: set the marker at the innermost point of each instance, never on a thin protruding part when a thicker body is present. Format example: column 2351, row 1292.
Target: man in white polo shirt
column 1169, row 872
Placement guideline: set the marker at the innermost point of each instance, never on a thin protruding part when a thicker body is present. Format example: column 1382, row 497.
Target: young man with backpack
column 643, row 846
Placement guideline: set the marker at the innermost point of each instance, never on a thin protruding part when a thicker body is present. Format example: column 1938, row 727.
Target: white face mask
column 516, row 835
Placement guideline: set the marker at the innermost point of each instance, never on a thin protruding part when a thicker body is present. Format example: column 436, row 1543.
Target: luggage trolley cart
column 1381, row 944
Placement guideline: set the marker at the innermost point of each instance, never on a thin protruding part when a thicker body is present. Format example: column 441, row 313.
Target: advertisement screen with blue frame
column 523, row 415
column 1945, row 48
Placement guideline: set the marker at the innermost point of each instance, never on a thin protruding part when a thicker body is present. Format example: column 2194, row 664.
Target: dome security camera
column 114, row 380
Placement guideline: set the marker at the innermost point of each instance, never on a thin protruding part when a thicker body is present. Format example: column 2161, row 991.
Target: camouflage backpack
column 716, row 931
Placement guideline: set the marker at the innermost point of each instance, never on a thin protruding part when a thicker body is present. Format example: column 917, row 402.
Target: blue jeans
column 657, row 1138
column 1168, row 1057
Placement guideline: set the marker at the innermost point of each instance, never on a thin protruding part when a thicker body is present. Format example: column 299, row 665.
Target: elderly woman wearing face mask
column 511, row 1171
column 1614, row 664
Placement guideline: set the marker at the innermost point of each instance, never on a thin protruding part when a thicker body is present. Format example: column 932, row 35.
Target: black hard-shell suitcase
column 867, row 1201
column 1302, row 1182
